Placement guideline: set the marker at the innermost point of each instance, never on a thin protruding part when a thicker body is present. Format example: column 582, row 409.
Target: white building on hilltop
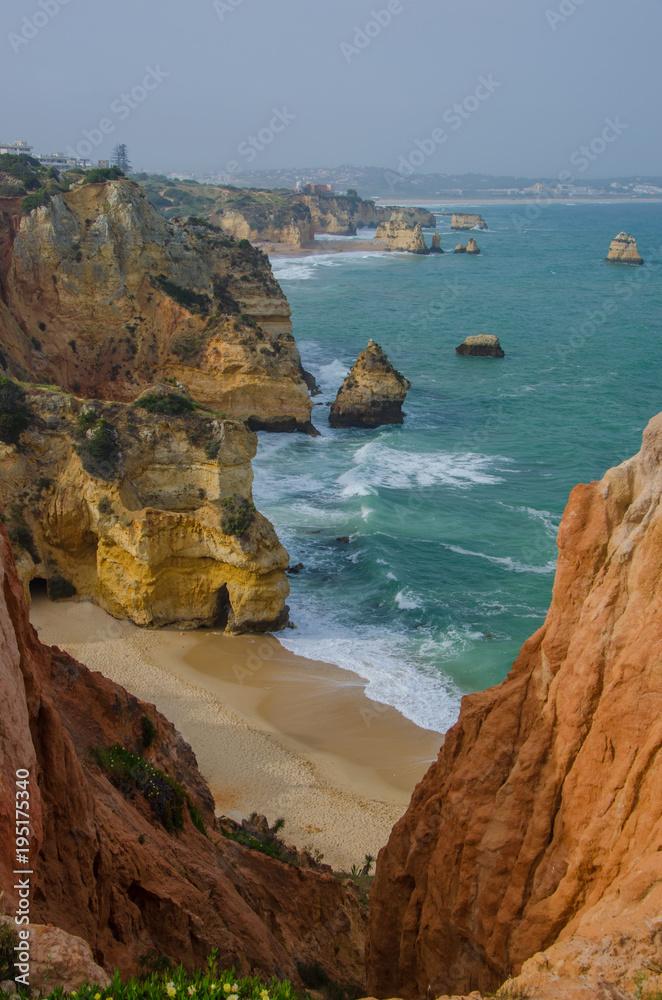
column 16, row 148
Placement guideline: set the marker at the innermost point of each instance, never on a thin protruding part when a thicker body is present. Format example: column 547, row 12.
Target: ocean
column 452, row 517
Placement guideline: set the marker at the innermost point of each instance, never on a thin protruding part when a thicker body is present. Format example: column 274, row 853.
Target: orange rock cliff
column 533, row 845
column 105, row 867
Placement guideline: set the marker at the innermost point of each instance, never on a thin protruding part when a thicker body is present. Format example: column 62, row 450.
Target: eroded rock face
column 483, row 345
column 465, row 220
column 61, row 959
column 436, row 244
column 106, row 870
column 343, row 215
column 623, row 250
column 372, row 394
column 100, row 294
column 537, row 834
column 401, row 235
column 140, row 529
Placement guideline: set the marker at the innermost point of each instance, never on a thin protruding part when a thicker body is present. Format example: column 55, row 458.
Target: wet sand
column 273, row 732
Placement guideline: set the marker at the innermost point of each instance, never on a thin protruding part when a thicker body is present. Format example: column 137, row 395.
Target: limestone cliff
column 372, row 394
column 623, row 250
column 149, row 515
column 536, row 837
column 465, row 220
column 100, row 294
column 294, row 227
column 106, row 868
column 402, row 236
column 343, row 215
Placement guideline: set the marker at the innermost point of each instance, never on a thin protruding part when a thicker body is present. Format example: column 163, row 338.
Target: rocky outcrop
column 483, row 345
column 344, row 215
column 465, row 220
column 101, row 295
column 106, row 869
column 534, row 840
column 61, row 959
column 148, row 514
column 436, row 244
column 623, row 250
column 402, row 236
column 372, row 394
column 471, row 247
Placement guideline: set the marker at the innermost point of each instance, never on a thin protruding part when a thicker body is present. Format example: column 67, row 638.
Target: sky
column 480, row 86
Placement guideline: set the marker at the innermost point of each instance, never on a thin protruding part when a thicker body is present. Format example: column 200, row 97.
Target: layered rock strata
column 623, row 250
column 465, row 220
column 149, row 515
column 534, row 842
column 483, row 345
column 106, row 869
column 402, row 236
column 101, row 295
column 372, row 394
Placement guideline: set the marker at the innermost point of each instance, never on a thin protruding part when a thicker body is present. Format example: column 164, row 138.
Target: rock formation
column 101, row 295
column 372, row 394
column 464, row 220
column 106, row 869
column 149, row 514
column 472, row 246
column 535, row 839
column 483, row 345
column 402, row 236
column 343, row 215
column 623, row 250
column 436, row 244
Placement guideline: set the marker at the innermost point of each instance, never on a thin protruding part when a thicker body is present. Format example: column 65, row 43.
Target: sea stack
column 472, row 246
column 623, row 250
column 436, row 244
column 401, row 235
column 464, row 221
column 372, row 394
column 484, row 345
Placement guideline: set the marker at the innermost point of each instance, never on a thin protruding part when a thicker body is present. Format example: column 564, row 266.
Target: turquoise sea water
column 453, row 516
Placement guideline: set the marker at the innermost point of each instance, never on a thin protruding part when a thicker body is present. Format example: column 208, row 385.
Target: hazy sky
column 324, row 82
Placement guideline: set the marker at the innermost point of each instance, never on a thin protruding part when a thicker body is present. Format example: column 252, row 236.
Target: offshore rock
column 106, row 869
column 472, row 246
column 134, row 510
column 532, row 845
column 484, row 345
column 372, row 394
column 101, row 295
column 464, row 221
column 623, row 250
column 436, row 244
column 402, row 236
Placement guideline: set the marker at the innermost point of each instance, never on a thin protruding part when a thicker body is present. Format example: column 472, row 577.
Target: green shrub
column 41, row 196
column 100, row 174
column 238, row 515
column 130, row 773
column 8, row 941
column 148, row 731
column 212, row 449
column 21, row 535
column 14, row 411
column 172, row 403
column 186, row 297
column 100, row 453
column 60, row 588
column 105, row 505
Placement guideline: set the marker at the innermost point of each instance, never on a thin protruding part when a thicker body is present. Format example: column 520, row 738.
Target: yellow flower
column 97, row 996
column 233, row 996
column 227, row 988
column 170, row 990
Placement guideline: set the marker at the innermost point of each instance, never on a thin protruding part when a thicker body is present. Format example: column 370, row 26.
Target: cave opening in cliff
column 223, row 608
column 38, row 589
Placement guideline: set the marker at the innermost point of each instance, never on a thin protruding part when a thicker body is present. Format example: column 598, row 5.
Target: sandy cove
column 273, row 732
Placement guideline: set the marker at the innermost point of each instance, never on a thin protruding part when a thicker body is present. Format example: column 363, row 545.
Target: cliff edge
column 535, row 839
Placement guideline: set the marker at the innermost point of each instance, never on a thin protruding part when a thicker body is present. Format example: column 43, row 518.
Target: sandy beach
column 273, row 732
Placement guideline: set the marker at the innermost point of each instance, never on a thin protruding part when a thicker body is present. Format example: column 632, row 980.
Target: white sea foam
column 377, row 466
column 406, row 601
column 304, row 268
column 513, row 565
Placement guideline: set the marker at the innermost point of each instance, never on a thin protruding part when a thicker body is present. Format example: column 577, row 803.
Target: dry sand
column 273, row 732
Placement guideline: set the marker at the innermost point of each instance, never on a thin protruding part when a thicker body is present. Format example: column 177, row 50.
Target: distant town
column 383, row 183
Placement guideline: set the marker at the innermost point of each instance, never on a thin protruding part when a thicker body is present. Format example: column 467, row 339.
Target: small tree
column 120, row 158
